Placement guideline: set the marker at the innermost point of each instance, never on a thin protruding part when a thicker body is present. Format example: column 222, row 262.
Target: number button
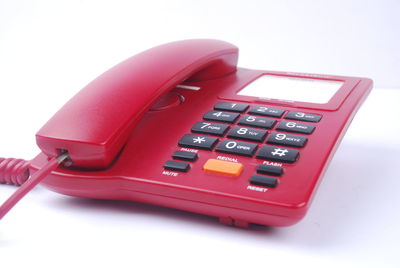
column 261, row 110
column 237, row 147
column 295, row 127
column 210, row 128
column 244, row 133
column 231, row 107
column 287, row 139
column 278, row 154
column 198, row 142
column 257, row 121
column 303, row 116
column 226, row 117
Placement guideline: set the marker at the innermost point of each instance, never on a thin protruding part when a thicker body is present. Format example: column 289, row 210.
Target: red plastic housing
column 137, row 172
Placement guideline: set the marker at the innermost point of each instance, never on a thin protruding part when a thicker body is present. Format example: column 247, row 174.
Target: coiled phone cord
column 16, row 171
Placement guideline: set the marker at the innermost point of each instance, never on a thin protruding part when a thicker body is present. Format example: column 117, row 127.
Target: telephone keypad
column 250, row 128
column 237, row 147
column 266, row 111
column 295, row 127
column 210, row 128
column 257, row 121
column 250, row 134
column 219, row 116
column 198, row 142
column 303, row 116
column 287, row 139
column 279, row 154
column 231, row 107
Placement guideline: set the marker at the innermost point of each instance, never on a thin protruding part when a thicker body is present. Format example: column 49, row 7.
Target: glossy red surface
column 95, row 124
column 137, row 173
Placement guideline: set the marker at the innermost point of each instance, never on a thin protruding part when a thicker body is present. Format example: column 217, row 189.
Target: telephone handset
column 95, row 124
column 179, row 125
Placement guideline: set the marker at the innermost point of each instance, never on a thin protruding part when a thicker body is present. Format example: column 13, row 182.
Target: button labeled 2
column 261, row 110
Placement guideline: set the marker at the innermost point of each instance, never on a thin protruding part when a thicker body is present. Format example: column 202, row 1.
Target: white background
column 49, row 50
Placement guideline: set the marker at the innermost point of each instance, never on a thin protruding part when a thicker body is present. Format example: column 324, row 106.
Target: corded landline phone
column 179, row 125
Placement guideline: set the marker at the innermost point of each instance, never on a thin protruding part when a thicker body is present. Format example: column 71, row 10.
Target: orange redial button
column 223, row 167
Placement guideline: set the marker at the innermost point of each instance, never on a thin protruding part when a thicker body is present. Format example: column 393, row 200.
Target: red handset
column 95, row 124
column 181, row 126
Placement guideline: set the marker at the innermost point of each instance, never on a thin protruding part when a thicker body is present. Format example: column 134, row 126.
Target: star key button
column 198, row 142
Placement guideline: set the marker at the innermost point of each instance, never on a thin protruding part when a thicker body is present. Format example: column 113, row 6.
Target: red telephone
column 179, row 125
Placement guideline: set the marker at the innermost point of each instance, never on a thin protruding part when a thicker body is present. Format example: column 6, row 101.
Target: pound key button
column 176, row 166
column 198, row 142
column 278, row 154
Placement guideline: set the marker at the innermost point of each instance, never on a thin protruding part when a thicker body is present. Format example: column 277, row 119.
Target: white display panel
column 292, row 89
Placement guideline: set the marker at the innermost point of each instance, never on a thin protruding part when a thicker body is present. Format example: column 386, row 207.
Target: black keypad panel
column 278, row 154
column 237, row 147
column 198, row 142
column 270, row 170
column 303, row 116
column 231, row 107
column 252, row 127
column 295, row 127
column 264, row 181
column 185, row 156
column 245, row 133
column 219, row 116
column 257, row 121
column 176, row 166
column 210, row 128
column 267, row 111
column 287, row 139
